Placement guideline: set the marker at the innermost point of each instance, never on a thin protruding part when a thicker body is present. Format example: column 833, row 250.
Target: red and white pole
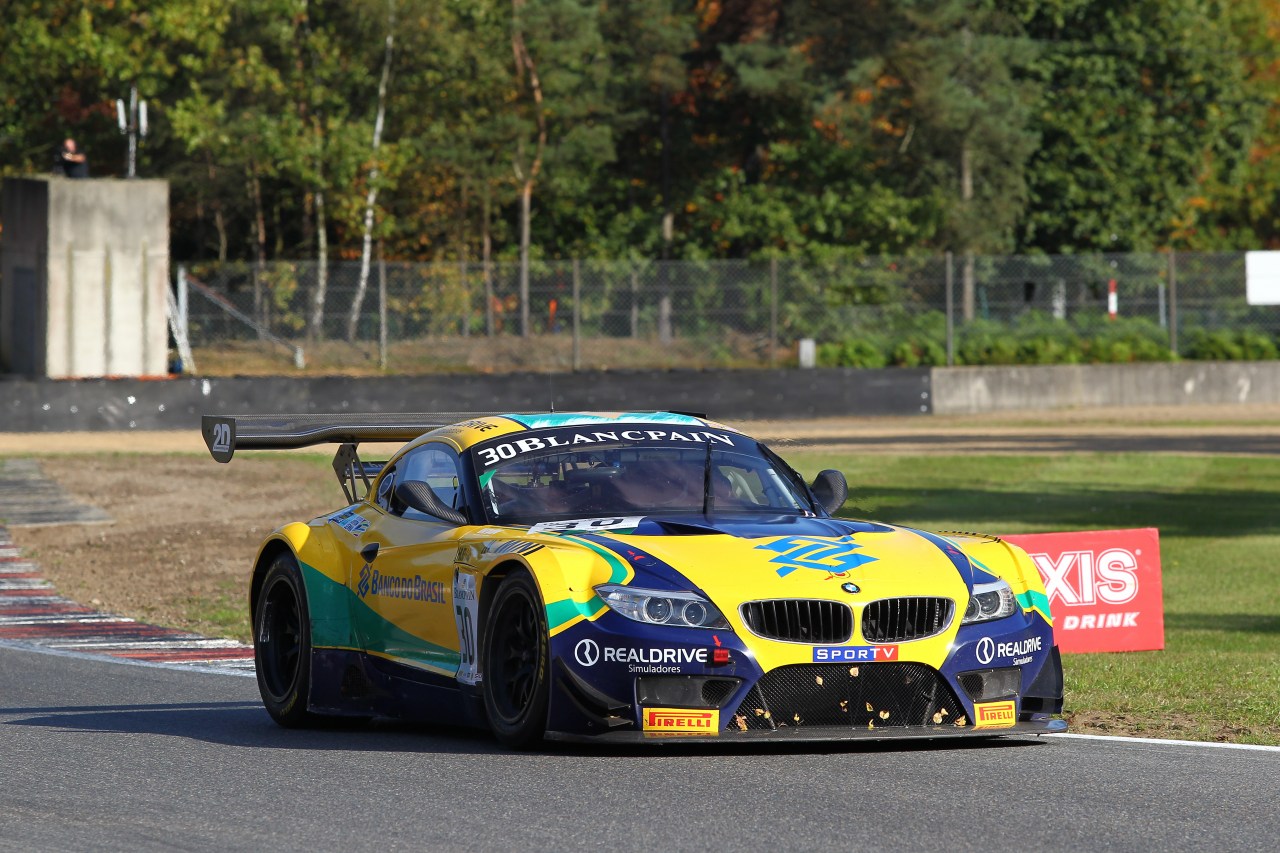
column 1113, row 302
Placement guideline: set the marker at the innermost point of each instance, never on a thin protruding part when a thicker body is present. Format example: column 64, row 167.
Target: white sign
column 1262, row 278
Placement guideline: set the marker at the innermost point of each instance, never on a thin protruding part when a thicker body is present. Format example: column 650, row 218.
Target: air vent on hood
column 799, row 620
column 899, row 620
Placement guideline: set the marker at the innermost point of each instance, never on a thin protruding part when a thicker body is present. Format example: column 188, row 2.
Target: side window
column 437, row 466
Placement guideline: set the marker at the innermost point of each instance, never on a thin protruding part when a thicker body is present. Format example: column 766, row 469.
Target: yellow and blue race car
column 642, row 575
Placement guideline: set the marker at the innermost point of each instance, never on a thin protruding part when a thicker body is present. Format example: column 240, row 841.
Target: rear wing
column 224, row 434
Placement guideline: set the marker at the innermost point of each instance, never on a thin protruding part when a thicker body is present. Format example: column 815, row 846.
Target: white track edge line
column 1255, row 747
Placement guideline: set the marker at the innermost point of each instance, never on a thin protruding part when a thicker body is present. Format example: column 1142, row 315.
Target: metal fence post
column 635, row 302
column 773, row 312
column 488, row 298
column 577, row 315
column 1173, row 303
column 466, row 299
column 951, row 280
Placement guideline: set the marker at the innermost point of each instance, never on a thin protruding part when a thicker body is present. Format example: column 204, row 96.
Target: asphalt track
column 104, row 755
column 108, row 756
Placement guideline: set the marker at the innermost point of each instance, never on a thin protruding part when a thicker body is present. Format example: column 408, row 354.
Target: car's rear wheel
column 282, row 643
column 516, row 661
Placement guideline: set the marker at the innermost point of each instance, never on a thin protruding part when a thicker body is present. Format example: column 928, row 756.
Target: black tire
column 282, row 644
column 516, row 662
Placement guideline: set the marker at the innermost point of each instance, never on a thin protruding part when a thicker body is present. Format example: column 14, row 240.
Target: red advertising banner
column 1104, row 587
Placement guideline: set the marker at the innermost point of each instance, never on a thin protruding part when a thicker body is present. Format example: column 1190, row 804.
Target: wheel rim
column 279, row 638
column 516, row 658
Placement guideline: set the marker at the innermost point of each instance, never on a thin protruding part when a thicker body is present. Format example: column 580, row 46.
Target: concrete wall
column 969, row 390
column 85, row 270
column 44, row 405
column 28, row 405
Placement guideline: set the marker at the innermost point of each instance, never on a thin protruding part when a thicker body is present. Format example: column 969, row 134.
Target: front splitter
column 818, row 733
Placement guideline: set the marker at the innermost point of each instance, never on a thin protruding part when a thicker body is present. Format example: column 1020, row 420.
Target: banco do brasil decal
column 403, row 587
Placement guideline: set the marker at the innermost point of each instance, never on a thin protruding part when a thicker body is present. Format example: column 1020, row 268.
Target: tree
column 951, row 93
column 559, row 87
column 1140, row 97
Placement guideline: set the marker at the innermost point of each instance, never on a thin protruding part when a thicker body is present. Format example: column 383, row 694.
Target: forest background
column 672, row 129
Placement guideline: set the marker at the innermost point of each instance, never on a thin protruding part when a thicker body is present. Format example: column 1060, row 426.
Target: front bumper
column 597, row 668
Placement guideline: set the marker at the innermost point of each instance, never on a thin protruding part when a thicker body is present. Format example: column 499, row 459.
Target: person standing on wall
column 71, row 160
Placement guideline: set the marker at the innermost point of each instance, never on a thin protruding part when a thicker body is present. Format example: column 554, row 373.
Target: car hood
column 739, row 558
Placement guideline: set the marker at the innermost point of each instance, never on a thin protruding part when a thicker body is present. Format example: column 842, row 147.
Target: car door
column 407, row 589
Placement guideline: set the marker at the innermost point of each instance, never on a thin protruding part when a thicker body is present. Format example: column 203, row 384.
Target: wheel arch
column 322, row 568
column 267, row 554
column 492, row 579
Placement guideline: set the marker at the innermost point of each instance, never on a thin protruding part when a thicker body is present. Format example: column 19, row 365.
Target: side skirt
column 349, row 683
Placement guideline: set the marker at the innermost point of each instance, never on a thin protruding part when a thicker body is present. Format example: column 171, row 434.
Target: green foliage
column 1035, row 338
column 822, row 130
column 1228, row 345
column 1142, row 98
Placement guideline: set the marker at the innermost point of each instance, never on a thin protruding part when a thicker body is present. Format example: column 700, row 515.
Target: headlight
column 659, row 607
column 989, row 601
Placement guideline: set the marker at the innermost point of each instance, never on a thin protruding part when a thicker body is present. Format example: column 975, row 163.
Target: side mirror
column 831, row 489
column 416, row 494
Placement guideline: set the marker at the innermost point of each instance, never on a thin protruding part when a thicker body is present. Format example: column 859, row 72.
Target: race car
column 629, row 576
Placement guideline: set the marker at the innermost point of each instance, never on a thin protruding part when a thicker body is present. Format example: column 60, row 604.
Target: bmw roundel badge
column 849, row 587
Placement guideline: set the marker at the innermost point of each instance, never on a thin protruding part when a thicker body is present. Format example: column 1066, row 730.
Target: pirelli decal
column 995, row 715
column 681, row 721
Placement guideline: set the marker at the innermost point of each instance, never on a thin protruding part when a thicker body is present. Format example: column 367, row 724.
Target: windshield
column 532, row 479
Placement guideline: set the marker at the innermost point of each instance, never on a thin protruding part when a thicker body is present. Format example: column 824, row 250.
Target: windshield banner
column 1104, row 587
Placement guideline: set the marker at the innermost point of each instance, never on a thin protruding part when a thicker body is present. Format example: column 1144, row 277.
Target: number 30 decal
column 466, row 614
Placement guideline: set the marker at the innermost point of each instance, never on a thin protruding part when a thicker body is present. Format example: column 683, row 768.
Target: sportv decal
column 1103, row 586
column 854, row 654
column 490, row 456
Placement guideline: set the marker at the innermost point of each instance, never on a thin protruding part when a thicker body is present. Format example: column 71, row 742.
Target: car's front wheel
column 282, row 643
column 516, row 661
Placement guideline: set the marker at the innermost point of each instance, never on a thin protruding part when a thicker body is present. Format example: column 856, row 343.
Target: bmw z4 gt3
column 643, row 575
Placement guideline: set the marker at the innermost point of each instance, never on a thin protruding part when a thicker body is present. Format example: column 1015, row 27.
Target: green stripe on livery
column 341, row 620
column 560, row 613
column 1037, row 601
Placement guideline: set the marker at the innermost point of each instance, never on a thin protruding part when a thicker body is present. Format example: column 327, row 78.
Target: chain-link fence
column 648, row 314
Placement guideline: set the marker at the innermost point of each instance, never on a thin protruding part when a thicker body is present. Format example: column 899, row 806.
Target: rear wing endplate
column 225, row 434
